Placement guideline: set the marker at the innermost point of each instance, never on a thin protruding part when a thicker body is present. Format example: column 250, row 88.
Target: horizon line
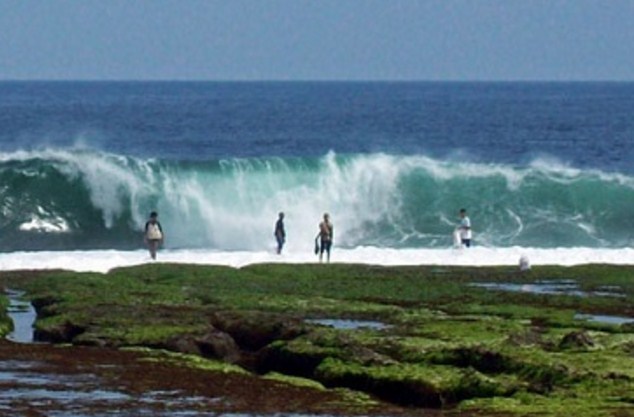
column 316, row 80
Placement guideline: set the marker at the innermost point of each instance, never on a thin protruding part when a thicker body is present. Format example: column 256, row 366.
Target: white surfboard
column 457, row 240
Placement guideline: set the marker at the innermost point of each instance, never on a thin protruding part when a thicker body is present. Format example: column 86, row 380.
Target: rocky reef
column 461, row 341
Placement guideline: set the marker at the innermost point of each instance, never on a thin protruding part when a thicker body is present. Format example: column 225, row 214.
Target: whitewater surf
column 89, row 199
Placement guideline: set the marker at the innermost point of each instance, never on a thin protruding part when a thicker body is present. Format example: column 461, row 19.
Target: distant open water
column 538, row 165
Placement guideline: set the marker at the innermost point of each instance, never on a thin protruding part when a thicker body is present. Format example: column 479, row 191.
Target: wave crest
column 101, row 200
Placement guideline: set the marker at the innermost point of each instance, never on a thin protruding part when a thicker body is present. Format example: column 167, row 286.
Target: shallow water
column 554, row 287
column 25, row 386
column 606, row 319
column 23, row 315
column 342, row 324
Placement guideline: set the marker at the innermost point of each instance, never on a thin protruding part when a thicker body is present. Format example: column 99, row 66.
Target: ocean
column 544, row 170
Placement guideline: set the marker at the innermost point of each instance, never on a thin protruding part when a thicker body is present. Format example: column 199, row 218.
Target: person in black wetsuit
column 280, row 233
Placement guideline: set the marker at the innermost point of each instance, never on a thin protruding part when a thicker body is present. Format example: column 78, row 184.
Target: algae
column 6, row 324
column 190, row 361
column 448, row 345
column 294, row 380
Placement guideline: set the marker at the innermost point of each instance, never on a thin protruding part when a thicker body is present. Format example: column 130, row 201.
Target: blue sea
column 543, row 169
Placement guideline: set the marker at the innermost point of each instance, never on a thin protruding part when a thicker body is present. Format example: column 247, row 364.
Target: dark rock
column 402, row 392
column 477, row 357
column 214, row 344
column 530, row 337
column 183, row 344
column 279, row 358
column 367, row 356
column 576, row 340
column 218, row 345
column 45, row 306
column 62, row 333
column 253, row 330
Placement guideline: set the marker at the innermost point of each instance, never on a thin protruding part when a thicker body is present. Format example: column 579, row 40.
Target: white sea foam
column 45, row 222
column 104, row 260
column 39, row 225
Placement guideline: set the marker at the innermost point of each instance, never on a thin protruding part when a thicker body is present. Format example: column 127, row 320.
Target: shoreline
column 106, row 260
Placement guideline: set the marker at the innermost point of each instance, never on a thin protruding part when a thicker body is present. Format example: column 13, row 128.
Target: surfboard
column 457, row 240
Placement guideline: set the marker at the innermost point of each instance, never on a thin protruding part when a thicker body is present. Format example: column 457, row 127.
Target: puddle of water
column 43, row 394
column 610, row 288
column 28, row 388
column 26, row 379
column 23, row 315
column 341, row 324
column 19, row 365
column 554, row 287
column 600, row 318
column 24, row 387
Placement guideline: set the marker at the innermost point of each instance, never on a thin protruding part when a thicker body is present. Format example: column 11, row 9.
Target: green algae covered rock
column 446, row 343
column 418, row 385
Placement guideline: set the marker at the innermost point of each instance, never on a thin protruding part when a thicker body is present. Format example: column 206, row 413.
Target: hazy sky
column 317, row 39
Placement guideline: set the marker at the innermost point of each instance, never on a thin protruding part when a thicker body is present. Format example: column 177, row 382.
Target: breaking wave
column 72, row 199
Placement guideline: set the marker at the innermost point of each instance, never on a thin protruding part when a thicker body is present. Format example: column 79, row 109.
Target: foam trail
column 104, row 260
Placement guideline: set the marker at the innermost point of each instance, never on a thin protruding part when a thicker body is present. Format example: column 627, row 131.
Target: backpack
column 154, row 231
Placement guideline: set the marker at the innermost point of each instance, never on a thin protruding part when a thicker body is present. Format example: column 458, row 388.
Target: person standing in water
column 325, row 236
column 465, row 228
column 153, row 236
column 280, row 233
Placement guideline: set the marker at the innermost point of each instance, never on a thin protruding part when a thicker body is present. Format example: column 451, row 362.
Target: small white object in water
column 525, row 264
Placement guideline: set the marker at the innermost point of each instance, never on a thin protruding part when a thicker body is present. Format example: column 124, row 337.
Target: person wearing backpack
column 154, row 236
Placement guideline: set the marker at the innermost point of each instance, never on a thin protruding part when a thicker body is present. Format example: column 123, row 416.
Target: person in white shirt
column 465, row 228
column 153, row 236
